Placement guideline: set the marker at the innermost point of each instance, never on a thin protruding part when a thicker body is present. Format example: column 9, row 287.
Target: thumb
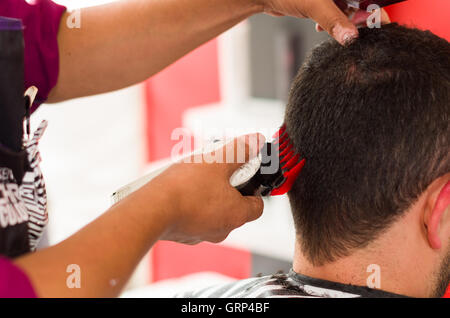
column 254, row 206
column 241, row 150
column 332, row 19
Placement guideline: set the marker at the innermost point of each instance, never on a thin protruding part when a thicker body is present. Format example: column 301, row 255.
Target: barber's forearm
column 187, row 203
column 123, row 43
column 107, row 250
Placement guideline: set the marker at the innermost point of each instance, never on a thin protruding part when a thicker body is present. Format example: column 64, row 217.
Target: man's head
column 372, row 121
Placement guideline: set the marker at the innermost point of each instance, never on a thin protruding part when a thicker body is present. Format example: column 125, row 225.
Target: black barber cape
column 291, row 285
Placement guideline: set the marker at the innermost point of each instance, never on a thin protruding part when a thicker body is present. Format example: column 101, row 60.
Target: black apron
column 23, row 201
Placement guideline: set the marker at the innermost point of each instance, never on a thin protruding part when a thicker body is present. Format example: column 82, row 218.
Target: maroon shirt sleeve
column 13, row 281
column 41, row 21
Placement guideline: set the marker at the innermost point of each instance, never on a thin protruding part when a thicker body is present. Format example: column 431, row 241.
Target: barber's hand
column 325, row 12
column 203, row 204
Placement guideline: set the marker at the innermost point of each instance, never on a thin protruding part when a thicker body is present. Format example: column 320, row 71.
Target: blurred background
column 240, row 81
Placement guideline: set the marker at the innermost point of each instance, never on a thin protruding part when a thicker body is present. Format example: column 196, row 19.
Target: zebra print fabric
column 32, row 190
column 23, row 200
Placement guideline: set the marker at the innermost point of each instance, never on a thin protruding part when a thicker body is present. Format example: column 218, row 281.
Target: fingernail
column 344, row 35
column 348, row 38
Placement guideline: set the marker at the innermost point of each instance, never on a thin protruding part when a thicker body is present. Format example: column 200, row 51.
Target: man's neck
column 390, row 264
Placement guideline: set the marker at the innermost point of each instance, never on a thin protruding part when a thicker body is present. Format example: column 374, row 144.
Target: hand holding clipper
column 273, row 172
column 202, row 205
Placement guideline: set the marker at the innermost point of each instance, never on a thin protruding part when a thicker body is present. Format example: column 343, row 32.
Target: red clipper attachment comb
column 273, row 172
column 291, row 163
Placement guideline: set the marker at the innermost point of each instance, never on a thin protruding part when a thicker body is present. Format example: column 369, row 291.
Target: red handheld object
column 284, row 165
column 290, row 162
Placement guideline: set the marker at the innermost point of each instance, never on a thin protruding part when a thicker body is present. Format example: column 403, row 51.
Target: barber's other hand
column 202, row 205
column 325, row 12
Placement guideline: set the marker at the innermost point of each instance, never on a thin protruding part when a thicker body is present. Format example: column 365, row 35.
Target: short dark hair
column 372, row 121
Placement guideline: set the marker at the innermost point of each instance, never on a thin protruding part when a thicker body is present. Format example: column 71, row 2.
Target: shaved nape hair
column 372, row 121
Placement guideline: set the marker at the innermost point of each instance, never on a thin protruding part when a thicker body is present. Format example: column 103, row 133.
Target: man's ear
column 437, row 206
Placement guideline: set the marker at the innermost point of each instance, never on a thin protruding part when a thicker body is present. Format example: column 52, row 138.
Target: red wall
column 171, row 260
column 433, row 15
column 190, row 82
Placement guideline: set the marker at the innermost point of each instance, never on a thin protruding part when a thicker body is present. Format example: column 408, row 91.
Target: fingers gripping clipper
column 273, row 172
